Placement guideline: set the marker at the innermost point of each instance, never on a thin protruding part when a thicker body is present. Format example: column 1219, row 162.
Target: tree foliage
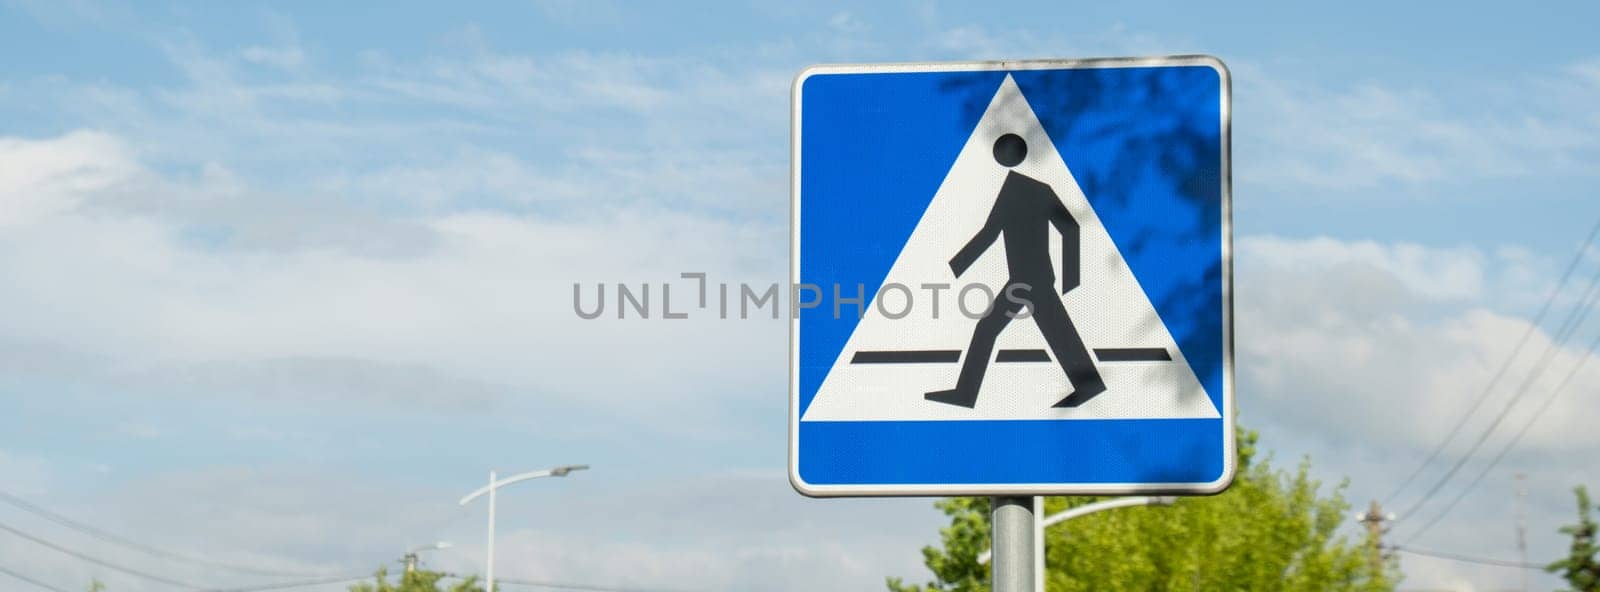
column 416, row 581
column 1270, row 531
column 1581, row 567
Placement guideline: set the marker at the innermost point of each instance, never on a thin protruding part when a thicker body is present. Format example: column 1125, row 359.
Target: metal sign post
column 1013, row 523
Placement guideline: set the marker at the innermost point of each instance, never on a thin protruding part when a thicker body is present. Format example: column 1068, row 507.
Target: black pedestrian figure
column 1024, row 212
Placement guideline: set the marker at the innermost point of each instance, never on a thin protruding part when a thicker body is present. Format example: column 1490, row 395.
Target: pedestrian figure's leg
column 1067, row 347
column 978, row 355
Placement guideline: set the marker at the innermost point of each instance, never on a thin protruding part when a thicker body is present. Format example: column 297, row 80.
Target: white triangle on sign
column 1109, row 309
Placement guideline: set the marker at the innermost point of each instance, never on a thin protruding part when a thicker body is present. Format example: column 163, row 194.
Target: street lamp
column 1110, row 504
column 411, row 554
column 494, row 484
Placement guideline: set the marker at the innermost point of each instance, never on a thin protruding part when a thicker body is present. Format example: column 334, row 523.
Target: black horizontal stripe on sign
column 951, row 356
column 1133, row 354
column 1022, row 355
column 927, row 356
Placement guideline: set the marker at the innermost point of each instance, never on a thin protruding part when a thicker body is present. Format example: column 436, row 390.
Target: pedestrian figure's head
column 1009, row 150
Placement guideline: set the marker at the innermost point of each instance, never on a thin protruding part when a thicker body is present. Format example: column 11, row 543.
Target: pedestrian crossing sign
column 1021, row 279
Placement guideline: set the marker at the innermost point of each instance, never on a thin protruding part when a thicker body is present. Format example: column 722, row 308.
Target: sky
column 282, row 281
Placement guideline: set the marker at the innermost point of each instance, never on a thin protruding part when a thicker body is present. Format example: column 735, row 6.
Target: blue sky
column 285, row 280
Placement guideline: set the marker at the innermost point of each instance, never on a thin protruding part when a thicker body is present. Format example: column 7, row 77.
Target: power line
column 1470, row 558
column 287, row 585
column 98, row 561
column 147, row 549
column 29, row 580
column 1483, row 396
column 564, row 585
column 1579, row 313
column 1515, row 438
column 1575, row 318
column 570, row 586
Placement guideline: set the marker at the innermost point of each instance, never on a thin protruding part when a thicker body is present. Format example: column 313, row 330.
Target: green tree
column 1581, row 567
column 417, row 581
column 1269, row 531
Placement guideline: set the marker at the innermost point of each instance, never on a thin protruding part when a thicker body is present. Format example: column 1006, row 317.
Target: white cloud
column 464, row 129
column 1363, row 355
column 974, row 41
column 43, row 177
column 717, row 532
column 1368, row 135
column 581, row 13
column 486, row 295
column 413, row 229
column 283, row 58
column 278, row 519
column 721, row 531
column 845, row 22
column 1368, row 358
column 25, row 474
column 1435, row 273
column 141, row 430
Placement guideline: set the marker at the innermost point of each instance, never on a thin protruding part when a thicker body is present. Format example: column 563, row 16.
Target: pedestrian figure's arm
column 975, row 247
column 1068, row 227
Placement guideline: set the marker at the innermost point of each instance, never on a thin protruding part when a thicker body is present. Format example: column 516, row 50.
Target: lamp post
column 1111, row 504
column 494, row 484
column 411, row 554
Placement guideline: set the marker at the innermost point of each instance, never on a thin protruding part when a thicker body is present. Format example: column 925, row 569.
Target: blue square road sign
column 1023, row 279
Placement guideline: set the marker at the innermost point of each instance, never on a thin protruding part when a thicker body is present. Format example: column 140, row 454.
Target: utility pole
column 1375, row 520
column 1522, row 526
column 410, row 558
